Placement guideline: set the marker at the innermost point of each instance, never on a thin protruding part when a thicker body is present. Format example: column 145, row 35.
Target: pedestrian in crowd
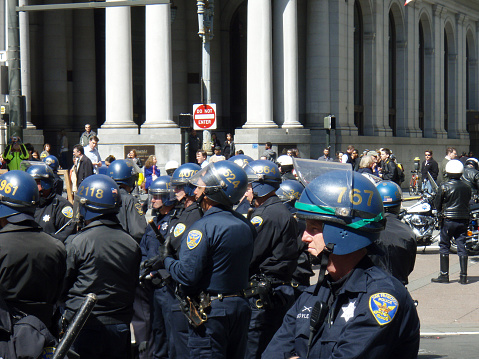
column 83, row 167
column 46, row 151
column 91, row 151
column 133, row 156
column 215, row 142
column 213, row 261
column 347, row 156
column 452, row 202
column 87, row 135
column 194, row 144
column 471, row 154
column 36, row 155
column 32, row 263
column 325, row 156
column 63, row 149
column 269, row 153
column 109, row 160
column 229, row 146
column 295, row 153
column 239, row 152
column 30, row 150
column 339, row 156
column 366, row 165
column 397, row 241
column 356, row 310
column 201, row 158
column 375, row 168
column 130, row 214
column 471, row 177
column 389, row 169
column 151, row 172
column 105, row 260
column 429, row 165
column 451, row 154
column 355, row 159
column 275, row 256
column 3, row 163
column 54, row 164
column 54, row 213
column 14, row 153
column 463, row 158
column 217, row 156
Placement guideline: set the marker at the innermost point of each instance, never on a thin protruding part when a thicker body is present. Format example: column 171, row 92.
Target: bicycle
column 414, row 183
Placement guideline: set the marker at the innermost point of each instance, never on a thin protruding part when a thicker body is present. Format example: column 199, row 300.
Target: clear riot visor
column 167, row 198
column 136, row 170
column 334, row 196
column 209, row 177
column 25, row 165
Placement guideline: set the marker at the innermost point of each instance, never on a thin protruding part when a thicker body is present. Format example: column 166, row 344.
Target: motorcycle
column 472, row 234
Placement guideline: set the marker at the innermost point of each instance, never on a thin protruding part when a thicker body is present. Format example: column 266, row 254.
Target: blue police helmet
column 241, row 160
column 225, row 182
column 123, row 172
column 18, row 193
column 290, row 190
column 182, row 175
column 98, row 195
column 390, row 192
column 162, row 187
column 43, row 173
column 264, row 176
column 350, row 208
column 52, row 161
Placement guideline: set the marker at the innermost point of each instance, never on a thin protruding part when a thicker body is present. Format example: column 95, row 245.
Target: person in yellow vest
column 15, row 153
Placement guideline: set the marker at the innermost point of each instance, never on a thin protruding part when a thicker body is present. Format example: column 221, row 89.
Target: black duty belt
column 221, row 296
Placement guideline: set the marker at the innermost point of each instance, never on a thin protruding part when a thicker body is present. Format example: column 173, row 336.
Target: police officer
column 170, row 167
column 397, row 241
column 471, row 175
column 452, row 201
column 357, row 310
column 131, row 215
column 54, row 213
column 52, row 161
column 104, row 260
column 213, row 260
column 245, row 203
column 285, row 164
column 275, row 255
column 32, row 263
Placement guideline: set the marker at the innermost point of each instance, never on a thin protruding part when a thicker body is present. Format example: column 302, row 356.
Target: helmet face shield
column 40, row 172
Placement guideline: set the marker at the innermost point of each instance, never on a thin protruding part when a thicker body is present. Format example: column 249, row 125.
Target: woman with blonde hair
column 151, row 172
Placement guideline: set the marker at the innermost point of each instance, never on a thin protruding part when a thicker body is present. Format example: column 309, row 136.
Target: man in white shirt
column 91, row 151
column 201, row 158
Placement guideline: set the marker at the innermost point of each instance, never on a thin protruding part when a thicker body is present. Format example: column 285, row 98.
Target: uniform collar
column 271, row 200
column 22, row 226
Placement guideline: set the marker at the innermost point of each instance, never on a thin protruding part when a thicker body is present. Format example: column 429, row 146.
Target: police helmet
column 225, row 182
column 390, row 192
column 52, row 161
column 43, row 173
column 290, row 190
column 285, row 161
column 454, row 169
column 182, row 175
column 98, row 195
column 241, row 160
column 472, row 163
column 162, row 187
column 170, row 167
column 349, row 206
column 123, row 172
column 18, row 193
column 264, row 176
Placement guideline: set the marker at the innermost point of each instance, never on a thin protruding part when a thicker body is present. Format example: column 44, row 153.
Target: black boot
column 444, row 274
column 463, row 273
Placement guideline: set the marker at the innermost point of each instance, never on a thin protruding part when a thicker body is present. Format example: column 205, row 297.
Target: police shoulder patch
column 193, row 238
column 384, row 307
column 67, row 212
column 257, row 221
column 179, row 229
column 139, row 209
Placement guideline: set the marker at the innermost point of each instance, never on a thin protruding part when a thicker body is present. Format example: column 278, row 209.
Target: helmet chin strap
column 198, row 202
column 324, row 264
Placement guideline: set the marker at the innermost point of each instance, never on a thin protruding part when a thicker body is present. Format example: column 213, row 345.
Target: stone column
column 23, row 20
column 158, row 79
column 286, row 106
column 259, row 66
column 118, row 72
column 461, row 91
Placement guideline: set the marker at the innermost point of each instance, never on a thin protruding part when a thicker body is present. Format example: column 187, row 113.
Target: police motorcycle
column 472, row 234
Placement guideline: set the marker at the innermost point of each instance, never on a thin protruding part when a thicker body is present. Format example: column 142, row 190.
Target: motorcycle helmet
column 182, row 175
column 285, row 162
column 264, row 177
column 43, row 173
column 454, row 169
column 241, row 160
column 52, row 161
column 123, row 172
column 391, row 195
column 98, row 195
column 472, row 163
column 290, row 191
column 18, row 193
column 161, row 188
column 225, row 182
column 350, row 207
column 170, row 167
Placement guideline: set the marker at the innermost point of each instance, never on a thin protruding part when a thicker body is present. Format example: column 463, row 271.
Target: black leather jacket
column 389, row 170
column 471, row 178
column 452, row 199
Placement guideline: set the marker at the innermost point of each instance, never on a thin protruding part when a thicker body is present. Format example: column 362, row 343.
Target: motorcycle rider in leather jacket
column 471, row 175
column 452, row 200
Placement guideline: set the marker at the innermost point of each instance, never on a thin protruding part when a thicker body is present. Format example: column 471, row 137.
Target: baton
column 155, row 229
column 76, row 325
column 66, row 224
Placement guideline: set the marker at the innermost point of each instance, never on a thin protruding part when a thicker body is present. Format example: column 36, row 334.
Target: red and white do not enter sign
column 204, row 116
